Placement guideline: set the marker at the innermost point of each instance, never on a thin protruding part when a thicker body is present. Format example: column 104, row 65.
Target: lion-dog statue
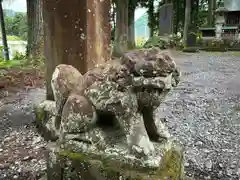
column 121, row 94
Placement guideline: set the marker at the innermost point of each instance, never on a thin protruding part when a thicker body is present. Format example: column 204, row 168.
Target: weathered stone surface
column 77, row 114
column 150, row 62
column 115, row 163
column 108, row 115
column 65, row 80
column 123, row 92
column 45, row 119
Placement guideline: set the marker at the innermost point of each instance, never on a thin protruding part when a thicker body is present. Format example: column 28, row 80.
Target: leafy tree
column 178, row 15
column 194, row 18
column 17, row 25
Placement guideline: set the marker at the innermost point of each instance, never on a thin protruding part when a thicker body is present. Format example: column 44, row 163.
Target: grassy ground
column 13, row 38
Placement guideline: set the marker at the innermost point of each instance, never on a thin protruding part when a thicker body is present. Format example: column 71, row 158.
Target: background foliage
column 16, row 25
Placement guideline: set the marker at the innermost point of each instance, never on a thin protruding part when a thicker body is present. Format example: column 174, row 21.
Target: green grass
column 10, row 63
column 13, row 38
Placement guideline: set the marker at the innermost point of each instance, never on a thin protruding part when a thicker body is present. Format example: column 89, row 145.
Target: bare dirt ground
column 203, row 113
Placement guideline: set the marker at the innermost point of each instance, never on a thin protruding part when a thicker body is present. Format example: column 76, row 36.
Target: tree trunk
column 113, row 19
column 187, row 20
column 35, row 29
column 78, row 37
column 194, row 16
column 220, row 3
column 131, row 28
column 176, row 16
column 4, row 36
column 151, row 18
column 121, row 31
column 210, row 12
column 214, row 8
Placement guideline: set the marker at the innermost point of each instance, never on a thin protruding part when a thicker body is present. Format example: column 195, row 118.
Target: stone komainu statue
column 114, row 103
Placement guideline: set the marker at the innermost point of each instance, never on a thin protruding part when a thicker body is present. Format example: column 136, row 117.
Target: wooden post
column 76, row 32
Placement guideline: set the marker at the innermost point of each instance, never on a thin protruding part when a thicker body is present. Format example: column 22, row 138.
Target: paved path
column 203, row 112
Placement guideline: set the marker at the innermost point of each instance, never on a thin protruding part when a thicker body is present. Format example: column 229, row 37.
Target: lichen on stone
column 107, row 116
column 107, row 167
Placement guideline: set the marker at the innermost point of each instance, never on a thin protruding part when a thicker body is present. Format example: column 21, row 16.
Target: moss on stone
column 107, row 166
column 43, row 119
column 40, row 114
column 172, row 165
column 112, row 168
column 74, row 156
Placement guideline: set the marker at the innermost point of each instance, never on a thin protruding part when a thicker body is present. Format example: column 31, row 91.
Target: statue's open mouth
column 151, row 89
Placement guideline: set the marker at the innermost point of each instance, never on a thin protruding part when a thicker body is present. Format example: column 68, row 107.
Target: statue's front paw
column 143, row 148
column 159, row 137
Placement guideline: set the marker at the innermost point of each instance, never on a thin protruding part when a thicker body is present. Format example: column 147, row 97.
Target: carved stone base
column 62, row 164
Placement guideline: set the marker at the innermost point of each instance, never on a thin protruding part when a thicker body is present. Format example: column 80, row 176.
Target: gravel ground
column 21, row 148
column 203, row 112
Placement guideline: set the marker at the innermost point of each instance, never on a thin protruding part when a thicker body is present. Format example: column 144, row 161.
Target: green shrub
column 8, row 64
column 216, row 45
column 176, row 41
column 17, row 61
column 1, row 53
column 19, row 56
column 200, row 42
column 140, row 41
column 173, row 41
column 156, row 41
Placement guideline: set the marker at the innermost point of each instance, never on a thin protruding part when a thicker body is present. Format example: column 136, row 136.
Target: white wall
column 16, row 46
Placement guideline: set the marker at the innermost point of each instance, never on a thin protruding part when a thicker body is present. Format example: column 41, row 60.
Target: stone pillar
column 166, row 19
column 77, row 32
